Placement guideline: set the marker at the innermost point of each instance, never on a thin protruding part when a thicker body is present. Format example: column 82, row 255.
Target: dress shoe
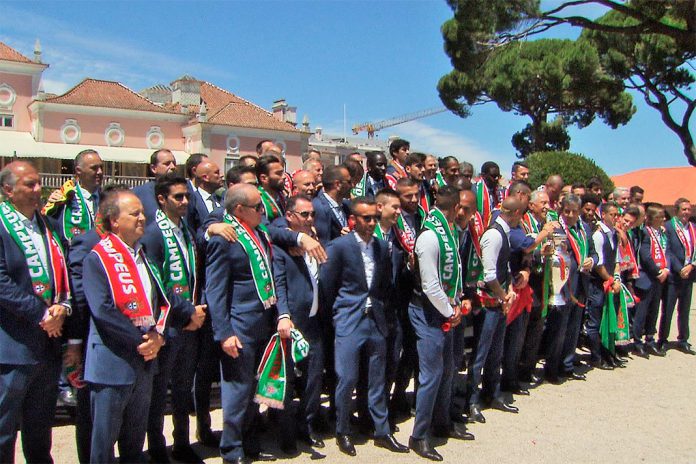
column 574, row 376
column 685, row 348
column 475, row 414
column 602, row 365
column 456, row 432
column 313, row 440
column 423, row 449
column 67, row 398
column 553, row 379
column 158, row 456
column 617, row 362
column 639, row 350
column 654, row 349
column 389, row 442
column 184, row 453
column 240, row 460
column 520, row 391
column 209, row 438
column 501, row 405
column 531, row 379
column 262, row 457
column 345, row 445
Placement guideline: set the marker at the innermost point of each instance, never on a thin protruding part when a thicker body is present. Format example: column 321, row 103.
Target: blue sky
column 380, row 58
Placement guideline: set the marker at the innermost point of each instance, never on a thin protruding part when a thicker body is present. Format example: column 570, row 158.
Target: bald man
column 205, row 199
column 34, row 302
column 553, row 187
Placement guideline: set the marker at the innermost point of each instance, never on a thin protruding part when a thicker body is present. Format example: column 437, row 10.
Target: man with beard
column 162, row 162
column 331, row 211
column 448, row 172
column 270, row 173
column 205, row 199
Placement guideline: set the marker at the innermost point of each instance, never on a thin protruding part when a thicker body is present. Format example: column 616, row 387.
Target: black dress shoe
column 240, row 460
column 313, row 441
column 345, row 445
column 423, row 449
column 209, row 438
column 617, row 362
column 475, row 414
column 158, row 456
column 654, row 349
column 262, row 457
column 184, row 453
column 553, row 379
column 389, row 442
column 456, row 432
column 685, row 348
column 602, row 365
column 520, row 391
column 639, row 350
column 575, row 376
column 501, row 405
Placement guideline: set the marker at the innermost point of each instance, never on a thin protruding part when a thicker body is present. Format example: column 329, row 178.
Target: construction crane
column 372, row 127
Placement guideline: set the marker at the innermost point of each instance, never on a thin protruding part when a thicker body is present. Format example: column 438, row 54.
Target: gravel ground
column 644, row 413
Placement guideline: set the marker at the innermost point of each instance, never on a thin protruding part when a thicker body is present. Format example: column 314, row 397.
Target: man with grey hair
column 313, row 153
column 34, row 302
column 240, row 290
column 317, row 168
column 622, row 196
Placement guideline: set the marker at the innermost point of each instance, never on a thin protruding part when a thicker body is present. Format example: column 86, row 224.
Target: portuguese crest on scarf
column 689, row 247
column 49, row 281
column 126, row 286
column 406, row 234
column 259, row 260
column 177, row 275
column 449, row 265
column 272, row 371
column 658, row 245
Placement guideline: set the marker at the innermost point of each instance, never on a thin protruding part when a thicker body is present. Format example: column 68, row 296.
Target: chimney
column 305, row 123
column 158, row 94
column 186, row 91
column 202, row 113
column 278, row 108
column 37, row 51
column 317, row 134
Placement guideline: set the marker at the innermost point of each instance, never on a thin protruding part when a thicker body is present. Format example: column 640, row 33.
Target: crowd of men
column 353, row 281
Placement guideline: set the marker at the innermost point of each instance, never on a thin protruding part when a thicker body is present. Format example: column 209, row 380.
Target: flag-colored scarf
column 399, row 171
column 689, row 248
column 658, row 247
column 76, row 218
column 269, row 204
column 50, row 280
column 259, row 260
column 177, row 275
column 272, row 374
column 405, row 234
column 449, row 265
column 614, row 329
column 126, row 286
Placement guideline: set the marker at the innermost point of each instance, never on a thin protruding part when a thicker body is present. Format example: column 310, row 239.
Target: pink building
column 125, row 127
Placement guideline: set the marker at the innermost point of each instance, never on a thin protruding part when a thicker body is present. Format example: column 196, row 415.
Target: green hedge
column 573, row 167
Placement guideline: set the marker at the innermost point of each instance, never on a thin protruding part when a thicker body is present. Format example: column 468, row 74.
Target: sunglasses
column 181, row 196
column 368, row 217
column 305, row 214
column 258, row 207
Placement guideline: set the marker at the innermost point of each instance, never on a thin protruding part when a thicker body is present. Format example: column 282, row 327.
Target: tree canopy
column 572, row 167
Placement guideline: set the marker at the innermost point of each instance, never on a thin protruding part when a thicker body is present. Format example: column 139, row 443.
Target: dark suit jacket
column 294, row 289
column 79, row 249
column 22, row 341
column 648, row 268
column 55, row 218
column 234, row 305
column 112, row 356
column 344, row 286
column 676, row 255
column 198, row 213
column 327, row 225
column 146, row 193
column 279, row 235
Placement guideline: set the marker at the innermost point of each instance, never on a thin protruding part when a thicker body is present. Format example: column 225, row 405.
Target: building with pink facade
column 125, row 127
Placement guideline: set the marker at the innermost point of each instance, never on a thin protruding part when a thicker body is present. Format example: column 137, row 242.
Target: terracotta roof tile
column 10, row 54
column 106, row 94
column 661, row 185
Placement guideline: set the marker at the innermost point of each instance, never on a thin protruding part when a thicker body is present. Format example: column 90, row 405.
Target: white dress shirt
column 144, row 275
column 598, row 239
column 491, row 243
column 34, row 231
column 367, row 252
column 207, row 199
column 90, row 200
column 313, row 268
column 428, row 253
column 337, row 210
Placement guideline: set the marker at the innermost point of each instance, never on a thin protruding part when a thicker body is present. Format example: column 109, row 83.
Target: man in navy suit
column 331, row 211
column 162, row 161
column 355, row 282
column 33, row 307
column 270, row 172
column 297, row 280
column 130, row 315
column 681, row 241
column 169, row 245
column 242, row 321
column 204, row 199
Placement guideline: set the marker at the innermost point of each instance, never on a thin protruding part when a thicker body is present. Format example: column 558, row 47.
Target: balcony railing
column 56, row 180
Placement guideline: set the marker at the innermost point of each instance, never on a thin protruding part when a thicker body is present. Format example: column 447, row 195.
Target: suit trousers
column 207, row 372
column 119, row 413
column 489, row 355
column 677, row 294
column 570, row 343
column 556, row 328
column 28, row 395
column 532, row 341
column 367, row 337
column 83, row 425
column 512, row 351
column 436, row 372
column 646, row 312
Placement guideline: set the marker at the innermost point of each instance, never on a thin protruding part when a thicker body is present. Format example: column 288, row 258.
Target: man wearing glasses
column 355, row 283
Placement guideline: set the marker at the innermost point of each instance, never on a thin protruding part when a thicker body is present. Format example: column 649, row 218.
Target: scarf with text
column 689, row 247
column 399, row 171
column 50, row 280
column 76, row 218
column 658, row 247
column 127, row 288
column 270, row 205
column 579, row 242
column 177, row 274
column 449, row 265
column 474, row 267
column 406, row 234
column 483, row 202
column 259, row 260
column 440, row 179
column 271, row 373
column 626, row 257
column 614, row 329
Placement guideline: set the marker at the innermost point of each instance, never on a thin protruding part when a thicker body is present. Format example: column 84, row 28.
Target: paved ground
column 644, row 413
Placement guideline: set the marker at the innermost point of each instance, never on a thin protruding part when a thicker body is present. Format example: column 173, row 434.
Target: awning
column 23, row 145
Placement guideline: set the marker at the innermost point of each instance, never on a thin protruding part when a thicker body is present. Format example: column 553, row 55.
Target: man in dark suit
column 204, row 199
column 434, row 310
column 169, row 245
column 374, row 178
column 297, row 280
column 329, row 204
column 271, row 175
column 681, row 242
column 162, row 161
column 34, row 301
column 355, row 283
column 241, row 304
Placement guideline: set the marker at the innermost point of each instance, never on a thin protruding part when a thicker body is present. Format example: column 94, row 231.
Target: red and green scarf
column 689, row 248
column 271, row 372
column 177, row 274
column 614, row 329
column 440, row 179
column 126, row 286
column 474, row 267
column 449, row 264
column 50, row 280
column 259, row 259
column 76, row 218
column 360, row 188
column 483, row 202
column 406, row 234
column 423, row 202
column 579, row 242
column 399, row 171
column 658, row 247
column 270, row 206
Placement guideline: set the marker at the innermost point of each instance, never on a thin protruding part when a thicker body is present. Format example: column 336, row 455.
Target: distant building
column 661, row 185
column 125, row 127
